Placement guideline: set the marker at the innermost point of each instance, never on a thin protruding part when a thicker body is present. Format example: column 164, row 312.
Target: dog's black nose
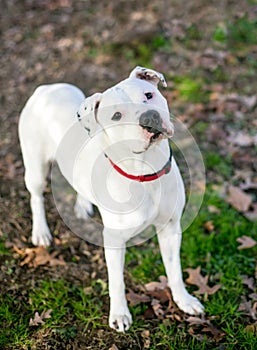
column 151, row 121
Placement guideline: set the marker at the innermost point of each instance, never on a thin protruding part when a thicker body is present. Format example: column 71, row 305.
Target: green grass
column 75, row 312
column 3, row 249
column 139, row 53
column 14, row 323
column 218, row 164
column 72, row 309
column 242, row 32
column 238, row 34
column 220, row 33
column 218, row 256
column 190, row 89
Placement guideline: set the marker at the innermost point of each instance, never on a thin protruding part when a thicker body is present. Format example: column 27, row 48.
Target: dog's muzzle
column 152, row 123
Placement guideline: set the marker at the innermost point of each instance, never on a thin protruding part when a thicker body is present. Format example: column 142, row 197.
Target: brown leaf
column 208, row 326
column 152, row 286
column 241, row 139
column 248, row 309
column 157, row 308
column 39, row 256
column 252, row 213
column 248, row 184
column 208, row 225
column 195, row 278
column 217, row 334
column 213, row 209
column 253, row 296
column 162, row 295
column 251, row 328
column 239, row 199
column 195, row 320
column 38, row 319
column 135, row 299
column 246, row 242
column 57, row 262
column 145, row 333
column 249, row 282
column 146, row 338
column 46, row 314
column 149, row 313
column 113, row 347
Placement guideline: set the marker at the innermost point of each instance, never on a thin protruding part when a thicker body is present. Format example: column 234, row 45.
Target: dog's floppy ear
column 149, row 75
column 87, row 113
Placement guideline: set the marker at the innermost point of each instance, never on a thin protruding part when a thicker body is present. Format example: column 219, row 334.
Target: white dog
column 113, row 149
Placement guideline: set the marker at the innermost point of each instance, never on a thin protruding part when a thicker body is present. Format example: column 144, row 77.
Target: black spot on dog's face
column 117, row 116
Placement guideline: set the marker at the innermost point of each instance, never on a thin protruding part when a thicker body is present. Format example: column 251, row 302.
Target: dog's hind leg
column 36, row 168
column 83, row 208
column 35, row 182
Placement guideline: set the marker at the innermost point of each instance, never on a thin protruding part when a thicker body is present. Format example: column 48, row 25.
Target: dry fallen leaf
column 213, row 209
column 135, row 299
column 38, row 256
column 248, row 184
column 248, row 309
column 153, row 286
column 239, row 199
column 38, row 319
column 246, row 242
column 195, row 278
column 251, row 328
column 241, row 139
column 252, row 213
column 208, row 326
column 208, row 225
column 113, row 347
column 149, row 314
column 146, row 338
column 157, row 308
column 249, row 282
column 162, row 295
column 145, row 333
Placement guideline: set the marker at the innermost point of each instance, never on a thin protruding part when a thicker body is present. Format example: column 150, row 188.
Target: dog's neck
column 147, row 166
column 144, row 177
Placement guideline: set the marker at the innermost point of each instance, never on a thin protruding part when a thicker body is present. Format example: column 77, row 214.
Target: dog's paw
column 189, row 304
column 41, row 237
column 83, row 209
column 120, row 322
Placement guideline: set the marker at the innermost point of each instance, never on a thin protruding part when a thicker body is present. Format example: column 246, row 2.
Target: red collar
column 144, row 178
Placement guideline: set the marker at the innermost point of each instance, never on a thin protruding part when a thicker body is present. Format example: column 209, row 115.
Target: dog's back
column 49, row 112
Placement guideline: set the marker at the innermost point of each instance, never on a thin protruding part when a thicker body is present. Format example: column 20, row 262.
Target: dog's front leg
column 170, row 240
column 120, row 317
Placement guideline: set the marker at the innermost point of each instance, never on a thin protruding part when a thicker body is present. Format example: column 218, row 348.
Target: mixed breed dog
column 111, row 142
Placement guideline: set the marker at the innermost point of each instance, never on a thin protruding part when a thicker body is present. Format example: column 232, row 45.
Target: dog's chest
column 131, row 206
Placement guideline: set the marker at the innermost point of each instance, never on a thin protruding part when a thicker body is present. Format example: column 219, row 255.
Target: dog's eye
column 148, row 95
column 117, row 116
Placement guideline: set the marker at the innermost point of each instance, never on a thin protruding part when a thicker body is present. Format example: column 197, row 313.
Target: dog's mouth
column 152, row 129
column 152, row 136
column 156, row 133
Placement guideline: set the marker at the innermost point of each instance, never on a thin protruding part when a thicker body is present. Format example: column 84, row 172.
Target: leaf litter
column 196, row 278
column 157, row 296
column 39, row 256
column 246, row 242
column 39, row 319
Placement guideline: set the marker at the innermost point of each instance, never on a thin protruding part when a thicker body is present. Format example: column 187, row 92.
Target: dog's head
column 133, row 110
